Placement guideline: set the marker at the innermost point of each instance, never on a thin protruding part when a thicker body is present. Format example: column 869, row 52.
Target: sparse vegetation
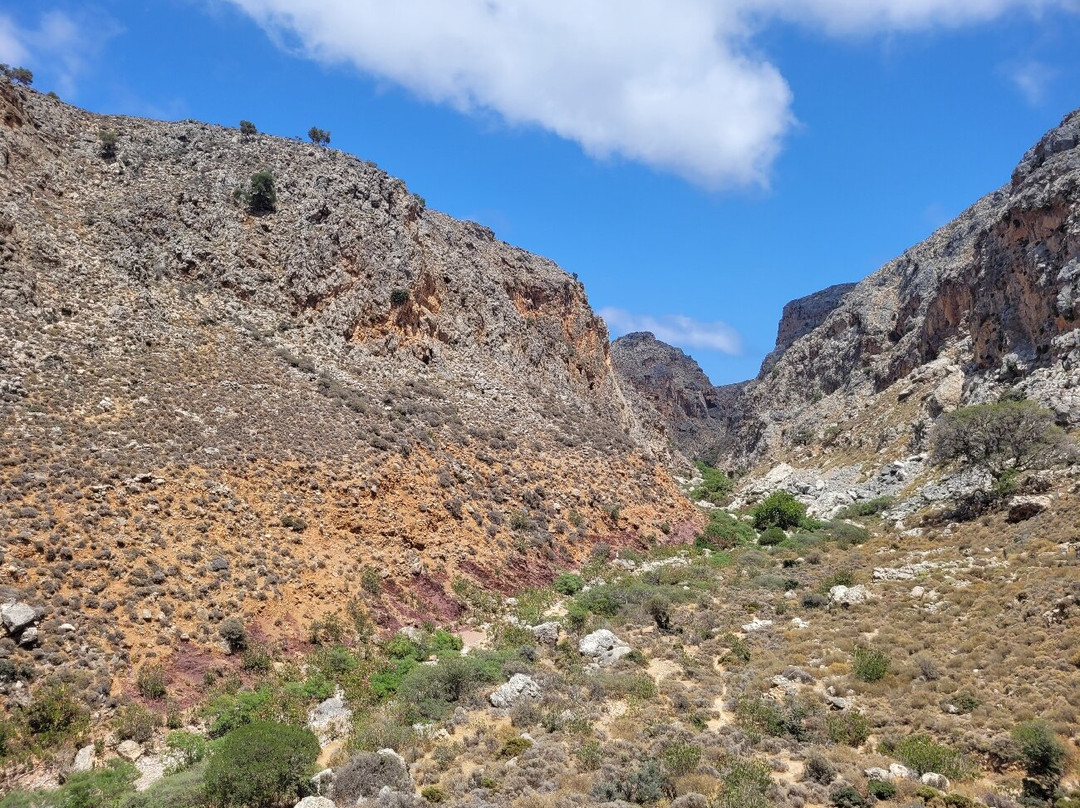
column 247, row 129
column 320, row 137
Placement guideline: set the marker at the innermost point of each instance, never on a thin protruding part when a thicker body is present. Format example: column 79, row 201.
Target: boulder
column 935, row 780
column 546, row 633
column 877, row 773
column 900, row 772
column 757, row 624
column 323, row 782
column 84, row 759
column 29, row 637
column 519, row 688
column 17, row 616
column 315, row 802
column 849, row 595
column 331, row 719
column 1021, row 508
column 603, row 647
column 129, row 750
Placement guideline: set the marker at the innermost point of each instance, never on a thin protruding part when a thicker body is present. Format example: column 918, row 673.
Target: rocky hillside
column 989, row 302
column 207, row 412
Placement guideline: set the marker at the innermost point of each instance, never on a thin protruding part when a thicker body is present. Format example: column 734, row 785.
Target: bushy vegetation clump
column 714, row 487
column 724, row 532
column 779, row 509
column 261, row 764
column 1002, row 436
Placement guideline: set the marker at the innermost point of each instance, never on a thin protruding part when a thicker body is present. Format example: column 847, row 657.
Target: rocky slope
column 206, row 412
column 989, row 302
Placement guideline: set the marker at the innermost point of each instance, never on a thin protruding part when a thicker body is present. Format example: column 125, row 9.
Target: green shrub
column 234, row 634
column 870, row 664
column 135, row 722
column 107, row 142
column 590, row 755
column 838, row 578
column 881, row 789
column 842, row 533
column 247, row 128
column 850, row 728
column 771, row 537
column 648, row 784
column 186, row 749
column 54, row 714
column 261, row 764
column 514, row 747
column 723, row 532
column 262, row 198
column 430, row 691
column 184, row 789
column 715, row 485
column 1043, row 756
column 567, row 583
column 399, row 297
column 680, row 758
column 370, row 580
column 870, row 507
column 434, row 794
column 151, row 681
column 320, row 137
column 846, row 796
column 923, row 754
column 765, row 716
column 100, row 788
column 745, row 784
column 814, row 600
column 779, row 509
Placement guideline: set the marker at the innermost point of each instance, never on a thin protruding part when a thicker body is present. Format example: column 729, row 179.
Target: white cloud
column 1031, row 79
column 12, row 50
column 677, row 85
column 61, row 45
column 675, row 329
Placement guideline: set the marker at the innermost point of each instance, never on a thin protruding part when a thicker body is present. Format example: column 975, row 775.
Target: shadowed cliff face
column 988, row 302
column 251, row 410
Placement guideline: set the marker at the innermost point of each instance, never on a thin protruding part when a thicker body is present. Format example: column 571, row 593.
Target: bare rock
column 129, row 750
column 519, row 688
column 17, row 616
column 603, row 647
column 1024, row 507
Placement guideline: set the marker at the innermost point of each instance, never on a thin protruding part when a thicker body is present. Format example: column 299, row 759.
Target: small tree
column 1043, row 755
column 1002, row 437
column 247, row 128
column 262, row 198
column 108, row 140
column 779, row 509
column 320, row 137
column 261, row 764
column 18, row 75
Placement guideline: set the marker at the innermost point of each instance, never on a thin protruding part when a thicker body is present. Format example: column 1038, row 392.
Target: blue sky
column 698, row 163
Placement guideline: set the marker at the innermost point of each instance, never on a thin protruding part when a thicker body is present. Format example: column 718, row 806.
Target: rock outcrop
column 989, row 302
column 272, row 405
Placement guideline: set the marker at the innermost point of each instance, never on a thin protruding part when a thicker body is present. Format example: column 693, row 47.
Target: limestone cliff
column 988, row 302
column 206, row 411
